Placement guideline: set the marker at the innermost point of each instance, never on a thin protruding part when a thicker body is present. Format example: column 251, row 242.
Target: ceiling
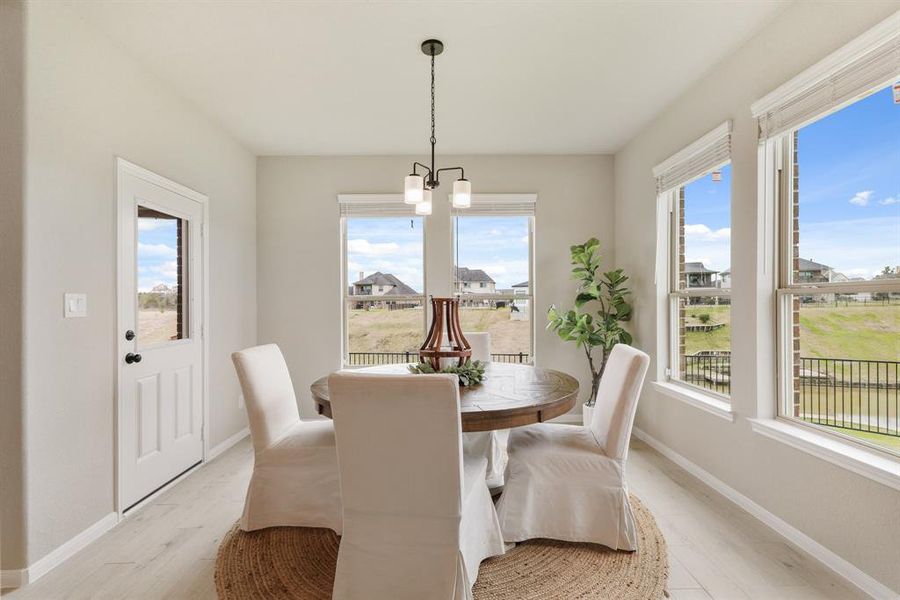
column 290, row 78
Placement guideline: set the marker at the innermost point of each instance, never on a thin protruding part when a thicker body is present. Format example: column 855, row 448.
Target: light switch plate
column 74, row 305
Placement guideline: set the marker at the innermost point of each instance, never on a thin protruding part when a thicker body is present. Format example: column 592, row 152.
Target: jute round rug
column 298, row 563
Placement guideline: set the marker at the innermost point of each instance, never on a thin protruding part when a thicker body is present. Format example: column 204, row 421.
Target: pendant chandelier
column 418, row 187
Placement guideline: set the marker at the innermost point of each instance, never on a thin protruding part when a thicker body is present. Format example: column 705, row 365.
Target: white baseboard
column 15, row 578
column 21, row 577
column 220, row 448
column 842, row 567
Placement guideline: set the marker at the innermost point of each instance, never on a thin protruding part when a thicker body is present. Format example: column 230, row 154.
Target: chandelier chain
column 433, row 139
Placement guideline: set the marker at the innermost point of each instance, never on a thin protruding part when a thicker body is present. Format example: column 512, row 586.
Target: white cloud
column 861, row 198
column 701, row 232
column 366, row 248
column 712, row 247
column 152, row 275
column 524, row 239
column 156, row 251
column 889, row 200
column 148, row 224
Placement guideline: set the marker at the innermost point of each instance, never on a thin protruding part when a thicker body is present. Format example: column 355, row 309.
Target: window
column 839, row 271
column 384, row 280
column 162, row 265
column 695, row 194
column 493, row 250
column 830, row 166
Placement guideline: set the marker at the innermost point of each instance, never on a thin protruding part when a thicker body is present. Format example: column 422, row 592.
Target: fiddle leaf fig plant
column 601, row 308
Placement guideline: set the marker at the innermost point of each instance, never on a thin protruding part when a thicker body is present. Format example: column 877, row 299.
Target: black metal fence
column 390, row 358
column 711, row 371
column 862, row 395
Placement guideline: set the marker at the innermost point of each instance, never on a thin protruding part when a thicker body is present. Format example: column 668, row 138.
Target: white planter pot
column 587, row 413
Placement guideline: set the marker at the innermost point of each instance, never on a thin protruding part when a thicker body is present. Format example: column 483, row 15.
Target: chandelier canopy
column 418, row 187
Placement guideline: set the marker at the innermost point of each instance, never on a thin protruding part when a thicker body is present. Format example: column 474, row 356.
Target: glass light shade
column 462, row 193
column 424, row 207
column 413, row 189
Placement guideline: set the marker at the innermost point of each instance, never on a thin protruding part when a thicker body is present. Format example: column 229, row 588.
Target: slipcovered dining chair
column 295, row 472
column 490, row 444
column 568, row 483
column 418, row 520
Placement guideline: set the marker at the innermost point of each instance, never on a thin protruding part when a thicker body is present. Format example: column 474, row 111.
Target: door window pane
column 161, row 277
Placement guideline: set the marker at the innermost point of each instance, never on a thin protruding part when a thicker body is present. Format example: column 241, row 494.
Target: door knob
column 132, row 358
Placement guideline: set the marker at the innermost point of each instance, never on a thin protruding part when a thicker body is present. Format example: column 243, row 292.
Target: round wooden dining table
column 511, row 395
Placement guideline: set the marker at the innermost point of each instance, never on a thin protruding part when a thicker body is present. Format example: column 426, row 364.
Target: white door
column 160, row 323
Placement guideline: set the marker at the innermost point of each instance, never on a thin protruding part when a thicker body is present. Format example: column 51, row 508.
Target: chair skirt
column 560, row 485
column 295, row 481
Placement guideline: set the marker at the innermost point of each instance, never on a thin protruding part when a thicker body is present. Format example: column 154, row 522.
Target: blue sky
column 850, row 187
column 849, row 166
column 498, row 245
column 707, row 221
column 387, row 244
column 157, row 253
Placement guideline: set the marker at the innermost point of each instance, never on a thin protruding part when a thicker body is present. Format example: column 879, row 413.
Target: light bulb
column 414, row 186
column 424, row 207
column 462, row 193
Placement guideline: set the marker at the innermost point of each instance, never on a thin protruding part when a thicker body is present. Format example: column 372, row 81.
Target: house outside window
column 838, row 276
column 493, row 257
column 384, row 274
column 695, row 199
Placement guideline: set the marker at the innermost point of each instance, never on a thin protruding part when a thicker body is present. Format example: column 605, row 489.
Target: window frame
column 675, row 295
column 513, row 296
column 778, row 151
column 347, row 297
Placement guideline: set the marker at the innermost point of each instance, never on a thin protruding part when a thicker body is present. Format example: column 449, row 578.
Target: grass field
column 855, row 330
column 717, row 339
column 851, row 330
column 382, row 330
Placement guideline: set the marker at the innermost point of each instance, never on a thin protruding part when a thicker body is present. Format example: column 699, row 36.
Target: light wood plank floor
column 168, row 548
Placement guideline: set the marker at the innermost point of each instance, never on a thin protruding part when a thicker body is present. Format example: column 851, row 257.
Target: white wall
column 852, row 516
column 299, row 241
column 86, row 104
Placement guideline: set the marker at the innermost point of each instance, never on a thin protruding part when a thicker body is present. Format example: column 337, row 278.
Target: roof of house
column 398, row 288
column 697, row 267
column 524, row 284
column 466, row 274
column 810, row 265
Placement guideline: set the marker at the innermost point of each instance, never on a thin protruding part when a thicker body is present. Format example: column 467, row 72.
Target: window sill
column 697, row 399
column 863, row 462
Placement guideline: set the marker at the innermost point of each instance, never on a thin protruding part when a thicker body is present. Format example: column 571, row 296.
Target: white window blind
column 375, row 205
column 866, row 64
column 498, row 205
column 706, row 154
